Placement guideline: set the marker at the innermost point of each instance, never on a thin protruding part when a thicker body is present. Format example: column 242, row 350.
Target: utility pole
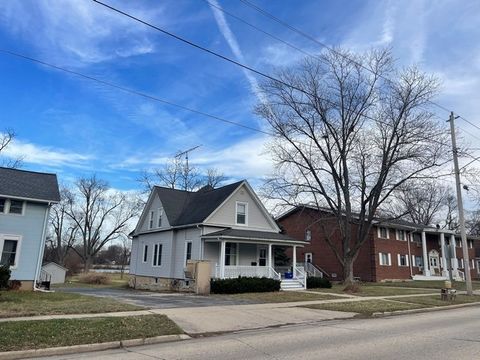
column 461, row 215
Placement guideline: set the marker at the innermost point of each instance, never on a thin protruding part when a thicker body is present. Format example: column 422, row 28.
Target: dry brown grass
column 94, row 278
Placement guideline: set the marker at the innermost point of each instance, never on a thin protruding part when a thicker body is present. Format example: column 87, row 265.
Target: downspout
column 410, row 253
column 42, row 248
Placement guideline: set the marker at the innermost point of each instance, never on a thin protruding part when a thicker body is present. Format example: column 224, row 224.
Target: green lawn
column 29, row 303
column 367, row 307
column 375, row 290
column 281, row 296
column 21, row 335
column 435, row 300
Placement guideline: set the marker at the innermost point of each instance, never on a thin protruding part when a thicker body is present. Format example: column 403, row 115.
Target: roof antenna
column 185, row 152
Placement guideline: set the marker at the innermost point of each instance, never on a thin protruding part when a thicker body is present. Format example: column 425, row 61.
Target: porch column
column 294, row 259
column 270, row 262
column 222, row 259
column 453, row 257
column 444, row 255
column 426, row 265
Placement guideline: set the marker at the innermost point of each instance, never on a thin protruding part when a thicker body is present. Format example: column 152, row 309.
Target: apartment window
column 16, row 207
column 157, row 254
column 383, row 233
column 401, row 235
column 188, row 251
column 385, row 259
column 145, row 253
column 458, row 243
column 402, row 260
column 473, row 264
column 241, row 213
column 9, row 252
column 150, row 221
column 160, row 217
column 418, row 261
column 461, row 264
column 230, row 254
column 2, row 205
column 308, row 235
column 470, row 244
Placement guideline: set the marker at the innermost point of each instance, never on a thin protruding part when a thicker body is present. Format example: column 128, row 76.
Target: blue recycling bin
column 288, row 275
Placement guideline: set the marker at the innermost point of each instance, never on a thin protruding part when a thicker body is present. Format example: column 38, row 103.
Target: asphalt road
column 448, row 334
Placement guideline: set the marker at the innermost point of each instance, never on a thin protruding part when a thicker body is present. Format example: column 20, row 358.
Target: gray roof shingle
column 29, row 185
column 185, row 207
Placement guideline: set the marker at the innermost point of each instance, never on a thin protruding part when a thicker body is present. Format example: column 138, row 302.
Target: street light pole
column 461, row 215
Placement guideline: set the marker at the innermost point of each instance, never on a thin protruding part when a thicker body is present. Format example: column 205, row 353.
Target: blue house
column 25, row 201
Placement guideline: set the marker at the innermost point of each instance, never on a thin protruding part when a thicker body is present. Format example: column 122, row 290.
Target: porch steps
column 291, row 285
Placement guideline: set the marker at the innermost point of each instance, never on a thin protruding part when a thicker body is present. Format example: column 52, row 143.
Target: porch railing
column 312, row 270
column 232, row 272
column 300, row 275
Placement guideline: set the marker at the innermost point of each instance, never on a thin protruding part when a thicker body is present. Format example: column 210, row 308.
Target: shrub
column 94, row 278
column 14, row 284
column 244, row 285
column 4, row 276
column 318, row 282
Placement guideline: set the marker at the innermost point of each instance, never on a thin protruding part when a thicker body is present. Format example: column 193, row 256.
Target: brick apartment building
column 394, row 250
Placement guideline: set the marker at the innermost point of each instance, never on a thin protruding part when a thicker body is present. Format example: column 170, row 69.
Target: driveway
column 156, row 300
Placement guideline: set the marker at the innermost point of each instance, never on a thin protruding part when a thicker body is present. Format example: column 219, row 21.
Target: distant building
column 54, row 273
column 394, row 250
column 25, row 200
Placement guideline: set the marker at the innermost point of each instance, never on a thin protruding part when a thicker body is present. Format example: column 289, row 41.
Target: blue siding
column 30, row 227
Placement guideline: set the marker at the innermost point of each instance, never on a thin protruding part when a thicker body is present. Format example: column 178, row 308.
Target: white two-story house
column 25, row 200
column 228, row 226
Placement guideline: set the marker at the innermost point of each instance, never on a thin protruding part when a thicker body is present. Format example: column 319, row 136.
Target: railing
column 461, row 274
column 312, row 270
column 300, row 275
column 235, row 271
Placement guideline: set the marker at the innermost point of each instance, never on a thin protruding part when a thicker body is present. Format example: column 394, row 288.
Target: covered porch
column 247, row 253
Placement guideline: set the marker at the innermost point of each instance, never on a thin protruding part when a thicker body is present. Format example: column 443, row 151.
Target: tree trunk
column 348, row 271
column 88, row 263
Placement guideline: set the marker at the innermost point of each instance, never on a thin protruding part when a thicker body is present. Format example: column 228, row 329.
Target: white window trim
column 158, row 255
column 185, row 252
column 397, row 232
column 145, row 246
column 6, row 207
column 389, row 259
column 160, row 217
column 246, row 212
column 309, row 232
column 380, row 232
column 406, row 260
column 18, row 238
column 151, row 219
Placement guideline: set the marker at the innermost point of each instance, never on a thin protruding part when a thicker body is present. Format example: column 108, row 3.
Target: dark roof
column 185, row 207
column 250, row 234
column 29, row 185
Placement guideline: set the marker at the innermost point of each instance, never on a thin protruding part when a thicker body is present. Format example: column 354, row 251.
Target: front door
column 434, row 262
column 308, row 258
column 262, row 256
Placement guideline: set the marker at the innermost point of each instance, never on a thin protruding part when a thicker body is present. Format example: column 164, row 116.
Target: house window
column 157, row 255
column 383, row 233
column 160, row 216
column 470, row 244
column 9, row 252
column 241, row 213
column 16, row 207
column 188, row 251
column 150, row 222
column 473, row 264
column 461, row 264
column 230, row 254
column 385, row 259
column 418, row 261
column 2, row 205
column 145, row 253
column 401, row 235
column 308, row 235
column 402, row 260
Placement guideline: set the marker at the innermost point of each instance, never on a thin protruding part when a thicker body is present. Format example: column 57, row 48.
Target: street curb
column 76, row 349
column 423, row 310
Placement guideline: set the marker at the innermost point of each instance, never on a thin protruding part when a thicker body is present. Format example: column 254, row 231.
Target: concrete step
column 291, row 284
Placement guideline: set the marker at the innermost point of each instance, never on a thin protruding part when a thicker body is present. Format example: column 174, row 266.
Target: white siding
column 226, row 214
column 154, row 206
column 138, row 267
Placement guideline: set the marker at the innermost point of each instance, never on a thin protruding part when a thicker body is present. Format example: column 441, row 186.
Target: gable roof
column 29, row 185
column 185, row 207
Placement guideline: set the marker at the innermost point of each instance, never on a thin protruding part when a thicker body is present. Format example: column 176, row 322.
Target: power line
column 311, row 38
column 135, row 92
column 228, row 59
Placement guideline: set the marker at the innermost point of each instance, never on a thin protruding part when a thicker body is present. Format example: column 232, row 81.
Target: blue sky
column 74, row 127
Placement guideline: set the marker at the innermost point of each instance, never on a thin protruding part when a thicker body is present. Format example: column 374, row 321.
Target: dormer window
column 160, row 217
column 241, row 216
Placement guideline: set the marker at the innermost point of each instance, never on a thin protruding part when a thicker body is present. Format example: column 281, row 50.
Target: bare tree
column 65, row 230
column 101, row 215
column 213, row 178
column 6, row 138
column 347, row 139
column 424, row 202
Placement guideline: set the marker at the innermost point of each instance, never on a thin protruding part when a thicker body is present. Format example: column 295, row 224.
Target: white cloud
column 47, row 156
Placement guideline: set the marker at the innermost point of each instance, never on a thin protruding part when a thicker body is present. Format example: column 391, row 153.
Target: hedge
column 318, row 282
column 4, row 276
column 243, row 285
